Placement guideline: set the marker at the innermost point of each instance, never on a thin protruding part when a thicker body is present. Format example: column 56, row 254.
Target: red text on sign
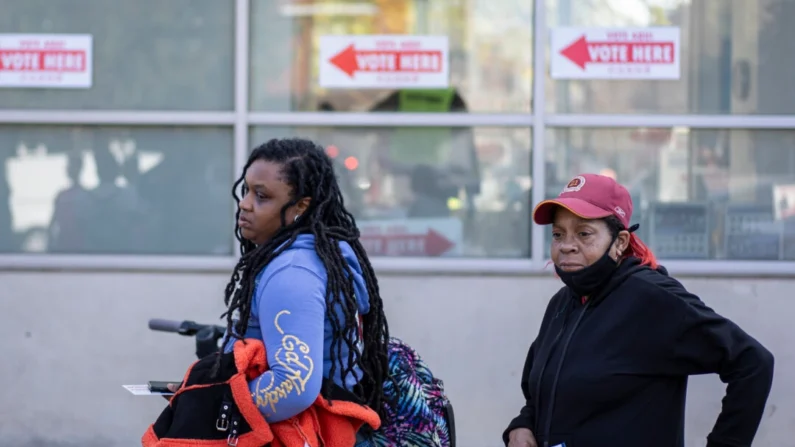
column 583, row 52
column 403, row 61
column 63, row 61
column 635, row 36
column 641, row 53
column 399, row 61
column 429, row 243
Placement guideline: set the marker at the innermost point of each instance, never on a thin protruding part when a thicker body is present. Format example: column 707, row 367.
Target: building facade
column 116, row 205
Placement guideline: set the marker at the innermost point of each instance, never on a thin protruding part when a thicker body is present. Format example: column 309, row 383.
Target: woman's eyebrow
column 256, row 186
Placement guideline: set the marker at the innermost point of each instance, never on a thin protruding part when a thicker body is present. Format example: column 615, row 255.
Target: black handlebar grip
column 157, row 324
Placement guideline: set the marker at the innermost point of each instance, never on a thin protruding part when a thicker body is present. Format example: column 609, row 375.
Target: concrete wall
column 70, row 340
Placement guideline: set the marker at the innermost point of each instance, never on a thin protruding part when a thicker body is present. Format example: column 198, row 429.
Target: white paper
column 143, row 390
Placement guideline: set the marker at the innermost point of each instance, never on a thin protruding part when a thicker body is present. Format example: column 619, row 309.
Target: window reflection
column 115, row 190
column 698, row 194
column 731, row 57
column 431, row 191
column 490, row 45
column 148, row 54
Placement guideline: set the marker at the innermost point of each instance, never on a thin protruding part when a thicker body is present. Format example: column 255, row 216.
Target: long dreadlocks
column 309, row 173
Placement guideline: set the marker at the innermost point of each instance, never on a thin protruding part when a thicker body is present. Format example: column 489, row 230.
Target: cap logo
column 575, row 184
column 620, row 211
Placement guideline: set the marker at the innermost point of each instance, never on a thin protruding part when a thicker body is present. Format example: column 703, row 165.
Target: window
column 147, row 54
column 698, row 194
column 158, row 182
column 431, row 191
column 104, row 190
column 731, row 58
column 490, row 53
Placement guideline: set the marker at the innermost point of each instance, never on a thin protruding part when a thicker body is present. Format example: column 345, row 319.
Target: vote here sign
column 616, row 53
column 45, row 60
column 384, row 61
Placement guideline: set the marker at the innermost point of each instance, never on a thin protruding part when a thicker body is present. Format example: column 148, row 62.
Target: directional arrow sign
column 46, row 60
column 383, row 62
column 431, row 243
column 351, row 60
column 582, row 52
column 646, row 53
column 412, row 237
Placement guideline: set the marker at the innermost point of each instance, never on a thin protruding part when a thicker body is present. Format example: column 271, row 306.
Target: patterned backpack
column 418, row 413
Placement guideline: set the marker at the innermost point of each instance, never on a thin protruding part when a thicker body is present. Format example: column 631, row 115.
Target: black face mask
column 590, row 279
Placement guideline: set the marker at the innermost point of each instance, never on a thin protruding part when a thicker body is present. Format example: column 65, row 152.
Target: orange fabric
column 333, row 425
column 150, row 439
column 325, row 423
column 250, row 357
column 328, row 424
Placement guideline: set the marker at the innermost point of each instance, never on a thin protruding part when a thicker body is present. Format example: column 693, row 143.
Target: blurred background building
column 115, row 201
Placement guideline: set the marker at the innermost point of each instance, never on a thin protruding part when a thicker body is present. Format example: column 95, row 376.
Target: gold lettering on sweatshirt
column 293, row 356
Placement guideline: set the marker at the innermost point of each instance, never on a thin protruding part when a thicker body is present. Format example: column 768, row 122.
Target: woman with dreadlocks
column 304, row 284
column 303, row 287
column 307, row 357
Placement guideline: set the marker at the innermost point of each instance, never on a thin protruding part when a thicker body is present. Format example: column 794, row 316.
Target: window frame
column 241, row 120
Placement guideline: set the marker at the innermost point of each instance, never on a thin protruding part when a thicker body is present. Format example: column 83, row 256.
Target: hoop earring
column 296, row 218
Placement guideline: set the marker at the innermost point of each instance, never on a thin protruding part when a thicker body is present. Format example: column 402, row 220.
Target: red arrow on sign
column 582, row 52
column 350, row 60
column 431, row 243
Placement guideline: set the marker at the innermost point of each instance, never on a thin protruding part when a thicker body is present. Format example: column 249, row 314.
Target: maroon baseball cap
column 589, row 196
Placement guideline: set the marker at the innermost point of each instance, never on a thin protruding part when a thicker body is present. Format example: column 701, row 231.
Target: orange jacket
column 325, row 423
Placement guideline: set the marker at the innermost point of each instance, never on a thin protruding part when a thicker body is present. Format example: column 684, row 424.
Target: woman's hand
column 173, row 387
column 521, row 437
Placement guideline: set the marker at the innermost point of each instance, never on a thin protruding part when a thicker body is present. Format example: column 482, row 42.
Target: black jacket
column 613, row 371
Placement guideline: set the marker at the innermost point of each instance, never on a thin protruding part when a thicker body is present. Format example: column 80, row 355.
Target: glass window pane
column 731, row 58
column 114, row 190
column 148, row 54
column 458, row 192
column 698, row 194
column 490, row 46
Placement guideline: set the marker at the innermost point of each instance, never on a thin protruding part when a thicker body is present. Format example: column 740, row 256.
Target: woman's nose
column 567, row 247
column 245, row 203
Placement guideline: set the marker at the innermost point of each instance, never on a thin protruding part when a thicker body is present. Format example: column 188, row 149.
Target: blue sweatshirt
column 288, row 313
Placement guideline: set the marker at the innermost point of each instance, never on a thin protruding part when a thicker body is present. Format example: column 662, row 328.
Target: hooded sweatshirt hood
column 303, row 251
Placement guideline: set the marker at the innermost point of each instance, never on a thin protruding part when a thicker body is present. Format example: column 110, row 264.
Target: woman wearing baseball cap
column 610, row 364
